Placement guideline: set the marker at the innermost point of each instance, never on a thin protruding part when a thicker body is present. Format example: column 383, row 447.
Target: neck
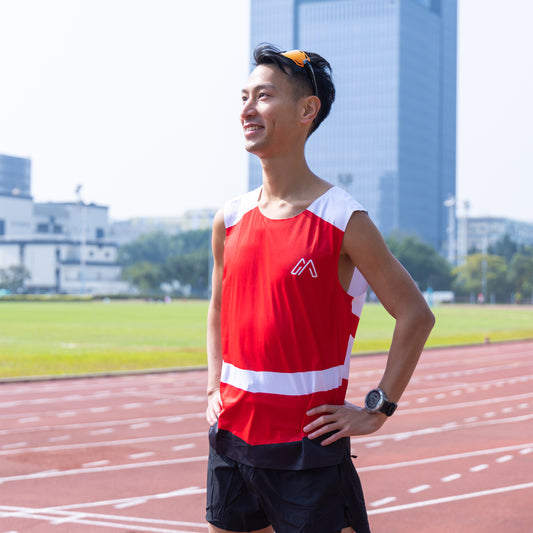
column 284, row 177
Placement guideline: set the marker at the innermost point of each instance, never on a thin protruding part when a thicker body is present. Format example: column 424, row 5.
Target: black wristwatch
column 376, row 402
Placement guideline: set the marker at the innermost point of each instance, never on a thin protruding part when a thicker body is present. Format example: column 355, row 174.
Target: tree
column 144, row 275
column 189, row 269
column 474, row 276
column 13, row 278
column 426, row 266
column 177, row 263
column 520, row 276
column 505, row 248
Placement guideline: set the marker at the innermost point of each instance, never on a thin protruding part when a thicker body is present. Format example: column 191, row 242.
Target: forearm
column 410, row 334
column 214, row 349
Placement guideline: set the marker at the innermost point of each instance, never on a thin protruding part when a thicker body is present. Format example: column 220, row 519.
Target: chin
column 253, row 148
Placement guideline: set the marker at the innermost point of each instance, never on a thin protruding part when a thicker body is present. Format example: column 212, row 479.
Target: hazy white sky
column 138, row 100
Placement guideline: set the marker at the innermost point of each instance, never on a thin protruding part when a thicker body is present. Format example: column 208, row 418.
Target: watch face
column 373, row 400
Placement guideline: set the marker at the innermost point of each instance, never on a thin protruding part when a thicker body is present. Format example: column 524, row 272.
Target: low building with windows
column 479, row 233
column 64, row 246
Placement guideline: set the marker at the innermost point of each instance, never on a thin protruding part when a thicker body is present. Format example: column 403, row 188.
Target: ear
column 310, row 108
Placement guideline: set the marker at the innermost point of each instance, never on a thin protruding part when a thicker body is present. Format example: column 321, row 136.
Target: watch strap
column 388, row 408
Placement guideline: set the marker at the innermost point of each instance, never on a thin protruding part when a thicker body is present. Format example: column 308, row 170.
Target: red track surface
column 129, row 453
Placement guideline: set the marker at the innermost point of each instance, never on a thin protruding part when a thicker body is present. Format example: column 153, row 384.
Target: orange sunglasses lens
column 298, row 56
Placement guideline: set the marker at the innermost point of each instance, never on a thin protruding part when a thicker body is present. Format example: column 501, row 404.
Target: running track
column 128, row 453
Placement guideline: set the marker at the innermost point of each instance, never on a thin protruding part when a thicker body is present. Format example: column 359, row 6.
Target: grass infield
column 58, row 338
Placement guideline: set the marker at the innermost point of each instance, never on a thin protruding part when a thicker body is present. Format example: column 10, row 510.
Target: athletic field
column 58, row 338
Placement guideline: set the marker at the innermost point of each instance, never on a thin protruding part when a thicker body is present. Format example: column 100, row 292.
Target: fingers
column 341, row 421
column 214, row 406
column 331, row 421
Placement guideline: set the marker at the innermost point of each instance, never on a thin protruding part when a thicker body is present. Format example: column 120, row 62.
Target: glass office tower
column 390, row 137
column 15, row 176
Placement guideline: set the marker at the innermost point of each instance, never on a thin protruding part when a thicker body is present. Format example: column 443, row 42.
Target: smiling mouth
column 252, row 128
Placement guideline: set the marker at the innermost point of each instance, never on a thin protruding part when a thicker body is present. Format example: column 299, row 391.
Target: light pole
column 82, row 238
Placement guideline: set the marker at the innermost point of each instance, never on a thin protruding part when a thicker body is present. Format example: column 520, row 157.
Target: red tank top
column 288, row 328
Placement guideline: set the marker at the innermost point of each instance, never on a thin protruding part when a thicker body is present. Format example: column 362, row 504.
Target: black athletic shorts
column 316, row 500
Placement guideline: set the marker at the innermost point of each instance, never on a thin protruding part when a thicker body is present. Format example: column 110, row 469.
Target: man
column 291, row 265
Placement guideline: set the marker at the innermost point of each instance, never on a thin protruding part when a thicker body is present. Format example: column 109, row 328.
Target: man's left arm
column 394, row 287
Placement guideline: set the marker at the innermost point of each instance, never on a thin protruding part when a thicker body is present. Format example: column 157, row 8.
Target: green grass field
column 57, row 338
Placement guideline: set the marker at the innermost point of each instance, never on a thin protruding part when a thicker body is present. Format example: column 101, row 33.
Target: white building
column 64, row 246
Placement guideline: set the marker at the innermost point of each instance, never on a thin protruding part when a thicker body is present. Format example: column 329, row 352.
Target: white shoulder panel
column 236, row 208
column 336, row 207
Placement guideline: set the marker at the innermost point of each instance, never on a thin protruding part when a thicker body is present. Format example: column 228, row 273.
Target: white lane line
column 383, row 501
column 468, row 386
column 83, row 445
column 98, row 469
column 173, row 419
column 103, row 462
column 461, row 405
column 14, row 445
column 451, row 477
column 65, row 414
column 479, row 468
column 438, row 459
column 188, row 491
column 71, row 517
column 420, row 488
column 449, row 499
column 183, row 447
column 504, row 459
column 132, row 405
column 140, row 425
column 103, row 431
column 104, row 523
column 141, row 455
column 121, row 521
column 101, row 423
column 60, row 438
column 403, row 436
column 525, row 451
column 442, row 429
column 29, row 419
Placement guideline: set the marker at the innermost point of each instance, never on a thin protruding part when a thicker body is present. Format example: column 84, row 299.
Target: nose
column 248, row 109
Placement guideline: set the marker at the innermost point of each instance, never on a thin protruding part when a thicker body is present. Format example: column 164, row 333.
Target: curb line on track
column 170, row 370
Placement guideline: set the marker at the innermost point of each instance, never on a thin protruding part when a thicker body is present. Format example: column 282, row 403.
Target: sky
column 138, row 101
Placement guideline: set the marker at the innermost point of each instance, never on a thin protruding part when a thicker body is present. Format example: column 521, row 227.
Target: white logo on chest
column 302, row 265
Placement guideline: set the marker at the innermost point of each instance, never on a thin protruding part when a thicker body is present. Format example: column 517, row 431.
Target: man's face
column 270, row 112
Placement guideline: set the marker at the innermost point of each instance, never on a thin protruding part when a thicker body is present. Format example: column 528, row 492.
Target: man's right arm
column 214, row 342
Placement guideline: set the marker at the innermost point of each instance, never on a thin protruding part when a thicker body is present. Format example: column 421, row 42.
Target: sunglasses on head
column 301, row 59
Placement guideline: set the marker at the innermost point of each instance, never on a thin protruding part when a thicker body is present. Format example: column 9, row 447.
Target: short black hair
column 267, row 54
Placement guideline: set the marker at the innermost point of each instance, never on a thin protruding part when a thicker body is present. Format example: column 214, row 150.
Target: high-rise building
column 390, row 137
column 15, row 176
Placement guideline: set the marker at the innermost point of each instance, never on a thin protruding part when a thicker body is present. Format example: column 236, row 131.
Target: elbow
column 419, row 317
column 426, row 319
